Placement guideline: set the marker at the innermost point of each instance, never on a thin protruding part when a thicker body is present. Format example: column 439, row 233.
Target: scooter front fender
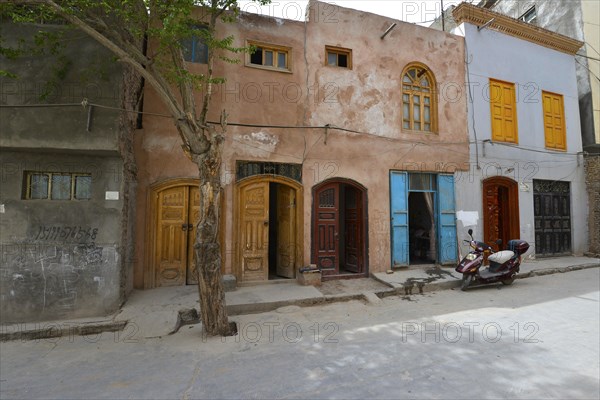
column 467, row 266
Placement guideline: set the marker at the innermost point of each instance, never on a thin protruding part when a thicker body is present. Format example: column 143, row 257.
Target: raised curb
column 557, row 270
column 48, row 330
column 416, row 287
column 243, row 309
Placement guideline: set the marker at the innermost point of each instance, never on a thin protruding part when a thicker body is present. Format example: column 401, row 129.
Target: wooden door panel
column 326, row 228
column 552, row 214
column 500, row 210
column 171, row 255
column 254, row 214
column 446, row 220
column 286, row 232
column 193, row 217
column 399, row 217
column 353, row 229
column 491, row 210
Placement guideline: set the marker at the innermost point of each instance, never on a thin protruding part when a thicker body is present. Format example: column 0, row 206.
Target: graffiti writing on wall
column 50, row 280
column 74, row 234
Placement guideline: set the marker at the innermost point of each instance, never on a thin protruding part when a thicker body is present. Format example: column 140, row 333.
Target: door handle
column 187, row 227
column 265, row 223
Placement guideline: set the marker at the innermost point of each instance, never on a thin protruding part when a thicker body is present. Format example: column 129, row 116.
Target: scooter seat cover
column 501, row 257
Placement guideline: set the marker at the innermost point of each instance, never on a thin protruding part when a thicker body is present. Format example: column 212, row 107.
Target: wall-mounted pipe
column 388, row 30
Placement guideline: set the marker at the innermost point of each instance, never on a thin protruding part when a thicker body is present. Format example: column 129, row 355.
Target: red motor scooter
column 504, row 265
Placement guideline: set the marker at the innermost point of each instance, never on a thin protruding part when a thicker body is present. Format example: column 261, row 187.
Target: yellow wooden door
column 286, row 231
column 178, row 210
column 254, row 231
column 193, row 217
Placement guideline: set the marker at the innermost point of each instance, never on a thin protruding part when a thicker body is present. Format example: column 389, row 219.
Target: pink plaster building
column 341, row 151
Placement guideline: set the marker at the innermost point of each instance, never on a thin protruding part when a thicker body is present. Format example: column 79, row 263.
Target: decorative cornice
column 479, row 16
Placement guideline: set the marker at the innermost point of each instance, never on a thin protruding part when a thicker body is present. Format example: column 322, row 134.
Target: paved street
column 538, row 338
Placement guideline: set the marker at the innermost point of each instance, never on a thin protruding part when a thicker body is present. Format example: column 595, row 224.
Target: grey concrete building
column 67, row 173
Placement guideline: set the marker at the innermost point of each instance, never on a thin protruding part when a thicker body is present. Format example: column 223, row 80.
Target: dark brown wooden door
column 352, row 229
column 326, row 228
column 500, row 210
column 552, row 213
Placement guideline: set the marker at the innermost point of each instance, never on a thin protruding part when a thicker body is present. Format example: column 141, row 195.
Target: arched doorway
column 500, row 210
column 339, row 236
column 172, row 216
column 268, row 217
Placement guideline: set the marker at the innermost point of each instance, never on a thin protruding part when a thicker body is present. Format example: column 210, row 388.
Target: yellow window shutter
column 548, row 125
column 554, row 121
column 503, row 111
column 559, row 123
column 497, row 111
column 508, row 95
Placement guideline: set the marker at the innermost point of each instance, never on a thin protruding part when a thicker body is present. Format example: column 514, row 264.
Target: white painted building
column 526, row 179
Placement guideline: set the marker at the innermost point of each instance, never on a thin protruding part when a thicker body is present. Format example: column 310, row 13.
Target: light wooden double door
column 267, row 230
column 177, row 210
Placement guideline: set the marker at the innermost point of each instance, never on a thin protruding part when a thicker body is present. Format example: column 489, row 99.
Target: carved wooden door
column 353, row 229
column 286, row 232
column 175, row 233
column 254, row 235
column 552, row 213
column 326, row 228
column 500, row 211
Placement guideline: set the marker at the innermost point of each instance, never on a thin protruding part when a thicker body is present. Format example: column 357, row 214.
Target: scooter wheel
column 508, row 281
column 466, row 282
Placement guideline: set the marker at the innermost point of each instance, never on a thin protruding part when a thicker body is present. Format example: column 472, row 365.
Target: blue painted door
column 446, row 220
column 399, row 217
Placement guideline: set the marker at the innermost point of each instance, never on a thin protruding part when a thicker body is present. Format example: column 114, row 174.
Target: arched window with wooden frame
column 419, row 105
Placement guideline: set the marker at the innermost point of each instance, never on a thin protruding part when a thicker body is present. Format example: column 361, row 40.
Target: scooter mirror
column 470, row 232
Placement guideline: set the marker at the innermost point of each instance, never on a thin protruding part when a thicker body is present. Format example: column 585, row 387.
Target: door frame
column 365, row 226
column 513, row 204
column 237, row 229
column 151, row 210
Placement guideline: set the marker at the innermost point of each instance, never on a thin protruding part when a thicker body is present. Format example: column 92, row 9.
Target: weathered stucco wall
column 365, row 99
column 64, row 258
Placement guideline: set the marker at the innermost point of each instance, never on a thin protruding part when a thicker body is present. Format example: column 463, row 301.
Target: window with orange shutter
column 503, row 108
column 554, row 121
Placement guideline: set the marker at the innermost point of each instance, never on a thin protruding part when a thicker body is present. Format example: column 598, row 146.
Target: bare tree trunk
column 207, row 247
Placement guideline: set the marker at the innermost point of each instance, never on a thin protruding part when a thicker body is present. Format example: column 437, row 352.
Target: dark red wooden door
column 326, row 228
column 353, row 228
column 500, row 210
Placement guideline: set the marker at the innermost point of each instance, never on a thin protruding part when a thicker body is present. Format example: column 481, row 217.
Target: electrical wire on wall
column 447, row 145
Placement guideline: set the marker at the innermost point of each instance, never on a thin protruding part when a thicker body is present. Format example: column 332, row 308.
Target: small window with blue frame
column 195, row 48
